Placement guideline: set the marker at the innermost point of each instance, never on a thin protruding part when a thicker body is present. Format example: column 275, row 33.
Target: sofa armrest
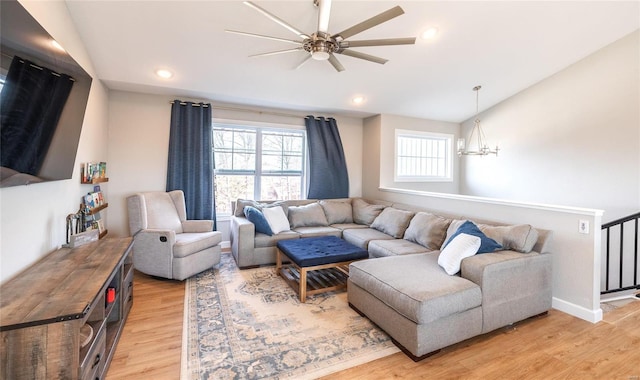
column 242, row 236
column 153, row 252
column 197, row 226
column 514, row 286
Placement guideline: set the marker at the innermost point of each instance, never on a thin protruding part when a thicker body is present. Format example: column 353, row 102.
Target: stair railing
column 621, row 223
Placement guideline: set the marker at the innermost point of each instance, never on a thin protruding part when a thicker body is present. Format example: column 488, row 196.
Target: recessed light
column 56, row 45
column 165, row 74
column 429, row 33
column 358, row 100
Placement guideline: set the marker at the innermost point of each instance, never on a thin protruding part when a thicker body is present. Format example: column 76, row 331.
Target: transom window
column 423, row 156
column 260, row 163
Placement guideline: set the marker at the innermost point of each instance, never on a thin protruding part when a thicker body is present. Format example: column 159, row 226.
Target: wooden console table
column 62, row 317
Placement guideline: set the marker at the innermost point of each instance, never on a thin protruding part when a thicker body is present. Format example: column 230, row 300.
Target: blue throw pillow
column 256, row 217
column 486, row 243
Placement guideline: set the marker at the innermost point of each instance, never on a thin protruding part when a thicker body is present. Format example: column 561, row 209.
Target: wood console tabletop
column 41, row 294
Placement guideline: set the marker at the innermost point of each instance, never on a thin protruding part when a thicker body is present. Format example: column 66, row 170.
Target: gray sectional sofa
column 403, row 287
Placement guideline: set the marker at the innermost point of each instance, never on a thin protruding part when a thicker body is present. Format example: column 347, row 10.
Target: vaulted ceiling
column 505, row 46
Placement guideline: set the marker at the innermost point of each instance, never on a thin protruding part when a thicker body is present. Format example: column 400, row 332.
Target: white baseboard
column 618, row 295
column 593, row 316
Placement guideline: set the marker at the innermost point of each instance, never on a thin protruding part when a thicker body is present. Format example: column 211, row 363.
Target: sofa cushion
column 262, row 240
column 460, row 247
column 520, row 238
column 282, row 204
column 396, row 247
column 318, row 231
column 392, row 222
column 161, row 212
column 242, row 203
column 347, row 226
column 337, row 211
column 427, row 230
column 190, row 243
column 364, row 212
column 277, row 219
column 486, row 243
column 307, row 216
column 362, row 236
column 256, row 217
column 415, row 286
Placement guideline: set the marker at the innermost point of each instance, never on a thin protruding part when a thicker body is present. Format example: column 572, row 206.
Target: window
column 257, row 163
column 423, row 156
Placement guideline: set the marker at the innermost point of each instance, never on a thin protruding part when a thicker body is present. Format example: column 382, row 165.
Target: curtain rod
column 38, row 67
column 193, row 104
column 273, row 113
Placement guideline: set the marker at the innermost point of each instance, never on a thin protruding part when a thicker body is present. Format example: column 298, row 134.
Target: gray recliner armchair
column 166, row 244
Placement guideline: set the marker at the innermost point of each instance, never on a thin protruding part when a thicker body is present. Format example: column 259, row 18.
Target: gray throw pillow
column 428, row 230
column 242, row 203
column 337, row 211
column 520, row 237
column 283, row 204
column 453, row 227
column 392, row 222
column 365, row 213
column 307, row 216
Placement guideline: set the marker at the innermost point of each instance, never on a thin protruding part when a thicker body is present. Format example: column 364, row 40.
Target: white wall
column 139, row 138
column 32, row 218
column 571, row 139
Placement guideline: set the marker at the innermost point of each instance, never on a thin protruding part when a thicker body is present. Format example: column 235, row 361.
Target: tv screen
column 42, row 102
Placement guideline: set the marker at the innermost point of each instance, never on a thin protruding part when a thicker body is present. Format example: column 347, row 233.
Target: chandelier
column 477, row 141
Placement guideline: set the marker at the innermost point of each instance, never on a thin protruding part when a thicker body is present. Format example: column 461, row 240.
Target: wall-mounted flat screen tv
column 42, row 102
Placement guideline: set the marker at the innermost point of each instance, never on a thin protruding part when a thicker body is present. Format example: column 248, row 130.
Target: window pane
column 234, row 149
column 271, row 162
column 423, row 156
column 282, row 152
column 229, row 188
column 280, row 187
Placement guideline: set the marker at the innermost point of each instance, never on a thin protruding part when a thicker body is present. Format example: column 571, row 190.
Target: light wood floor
column 557, row 346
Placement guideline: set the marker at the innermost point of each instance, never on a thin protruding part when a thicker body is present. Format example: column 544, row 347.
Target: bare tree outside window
column 257, row 163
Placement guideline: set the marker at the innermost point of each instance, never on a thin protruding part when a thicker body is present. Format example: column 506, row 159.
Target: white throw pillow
column 276, row 218
column 461, row 247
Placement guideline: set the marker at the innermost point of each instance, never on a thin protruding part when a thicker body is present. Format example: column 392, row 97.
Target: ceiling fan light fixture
column 320, row 55
column 320, row 48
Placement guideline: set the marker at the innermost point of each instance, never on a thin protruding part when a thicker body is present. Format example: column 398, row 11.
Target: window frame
column 260, row 128
column 448, row 156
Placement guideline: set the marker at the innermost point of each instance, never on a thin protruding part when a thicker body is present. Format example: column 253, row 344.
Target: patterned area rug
column 248, row 324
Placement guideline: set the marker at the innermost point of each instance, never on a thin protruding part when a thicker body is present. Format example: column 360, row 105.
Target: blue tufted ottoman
column 317, row 264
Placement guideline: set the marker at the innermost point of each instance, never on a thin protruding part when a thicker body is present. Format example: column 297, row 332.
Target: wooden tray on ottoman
column 317, row 264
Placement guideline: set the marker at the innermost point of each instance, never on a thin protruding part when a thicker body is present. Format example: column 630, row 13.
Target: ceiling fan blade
column 263, row 36
column 370, row 23
column 368, row 57
column 383, row 42
column 335, row 63
column 323, row 15
column 276, row 19
column 276, row 52
column 303, row 62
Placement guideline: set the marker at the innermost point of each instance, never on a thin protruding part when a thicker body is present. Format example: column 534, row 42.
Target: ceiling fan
column 321, row 45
